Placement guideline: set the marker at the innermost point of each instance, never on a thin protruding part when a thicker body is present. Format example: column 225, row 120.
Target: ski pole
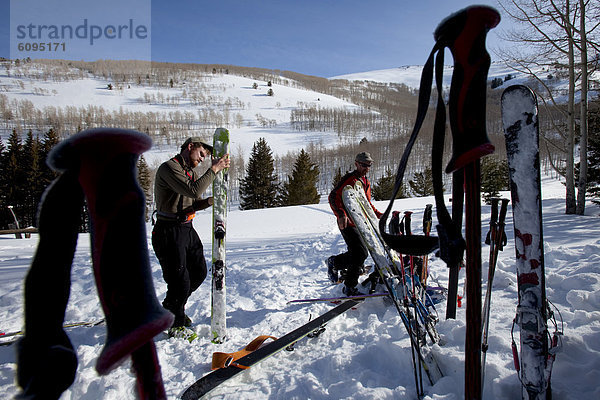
column 491, row 241
column 100, row 164
column 494, row 239
column 46, row 359
column 464, row 33
column 455, row 243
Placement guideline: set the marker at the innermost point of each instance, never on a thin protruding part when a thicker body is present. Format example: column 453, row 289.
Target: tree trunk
column 570, row 206
column 583, row 160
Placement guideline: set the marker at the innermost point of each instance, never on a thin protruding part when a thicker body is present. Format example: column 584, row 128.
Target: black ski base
column 210, row 381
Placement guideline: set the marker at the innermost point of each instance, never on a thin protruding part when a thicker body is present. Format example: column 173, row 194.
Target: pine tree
column 384, row 187
column 33, row 176
column 336, row 178
column 145, row 181
column 301, row 187
column 13, row 177
column 494, row 177
column 422, row 183
column 259, row 188
column 3, row 210
column 50, row 140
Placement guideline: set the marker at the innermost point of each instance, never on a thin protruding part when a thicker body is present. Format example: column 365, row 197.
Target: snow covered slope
column 279, row 254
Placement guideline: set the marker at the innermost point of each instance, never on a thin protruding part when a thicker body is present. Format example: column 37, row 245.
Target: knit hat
column 197, row 140
column 364, row 158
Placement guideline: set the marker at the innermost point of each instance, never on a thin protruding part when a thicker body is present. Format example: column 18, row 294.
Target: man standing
column 177, row 191
column 350, row 263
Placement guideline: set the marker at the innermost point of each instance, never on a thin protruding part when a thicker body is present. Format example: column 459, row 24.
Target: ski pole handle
column 394, row 225
column 503, row 210
column 502, row 239
column 427, row 219
column 494, row 217
column 493, row 220
column 464, row 33
column 407, row 223
column 104, row 162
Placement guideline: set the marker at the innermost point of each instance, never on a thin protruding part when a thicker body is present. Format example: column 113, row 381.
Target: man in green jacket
column 178, row 190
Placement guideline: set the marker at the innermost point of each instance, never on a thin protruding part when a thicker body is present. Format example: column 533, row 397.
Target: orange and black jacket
column 335, row 197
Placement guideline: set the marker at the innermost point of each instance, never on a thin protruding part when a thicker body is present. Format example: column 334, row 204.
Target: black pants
column 353, row 259
column 181, row 256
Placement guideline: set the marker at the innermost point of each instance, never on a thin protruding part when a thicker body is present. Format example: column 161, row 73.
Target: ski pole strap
column 464, row 34
column 224, row 360
column 452, row 244
column 452, row 240
column 423, row 104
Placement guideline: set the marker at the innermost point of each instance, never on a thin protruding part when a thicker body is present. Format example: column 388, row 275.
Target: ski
column 413, row 290
column 520, row 121
column 218, row 303
column 16, row 334
column 210, row 381
column 339, row 298
column 421, row 353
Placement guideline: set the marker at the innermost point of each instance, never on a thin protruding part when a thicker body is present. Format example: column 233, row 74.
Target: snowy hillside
column 250, row 112
column 276, row 255
column 411, row 75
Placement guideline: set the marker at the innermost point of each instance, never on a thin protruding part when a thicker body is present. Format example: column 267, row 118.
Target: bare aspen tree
column 556, row 34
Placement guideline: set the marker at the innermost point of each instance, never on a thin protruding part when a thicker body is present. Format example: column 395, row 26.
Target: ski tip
column 221, row 135
column 519, row 90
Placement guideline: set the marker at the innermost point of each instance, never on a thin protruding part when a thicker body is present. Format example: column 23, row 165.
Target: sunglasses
column 365, row 165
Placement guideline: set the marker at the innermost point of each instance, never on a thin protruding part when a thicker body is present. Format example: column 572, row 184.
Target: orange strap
column 223, row 360
column 189, row 217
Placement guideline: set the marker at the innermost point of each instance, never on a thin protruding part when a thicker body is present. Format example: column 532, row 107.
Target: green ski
column 218, row 306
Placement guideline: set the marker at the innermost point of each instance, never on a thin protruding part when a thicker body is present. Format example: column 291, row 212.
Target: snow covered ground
column 275, row 255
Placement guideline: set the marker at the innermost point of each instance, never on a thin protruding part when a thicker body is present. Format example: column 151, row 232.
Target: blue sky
column 315, row 37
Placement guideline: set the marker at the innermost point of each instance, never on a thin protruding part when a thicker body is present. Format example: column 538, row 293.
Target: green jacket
column 177, row 186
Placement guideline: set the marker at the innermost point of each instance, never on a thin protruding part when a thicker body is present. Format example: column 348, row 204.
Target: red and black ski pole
column 464, row 33
column 100, row 165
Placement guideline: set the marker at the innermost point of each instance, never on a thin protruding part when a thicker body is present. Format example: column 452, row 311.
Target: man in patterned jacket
column 350, row 263
column 178, row 190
